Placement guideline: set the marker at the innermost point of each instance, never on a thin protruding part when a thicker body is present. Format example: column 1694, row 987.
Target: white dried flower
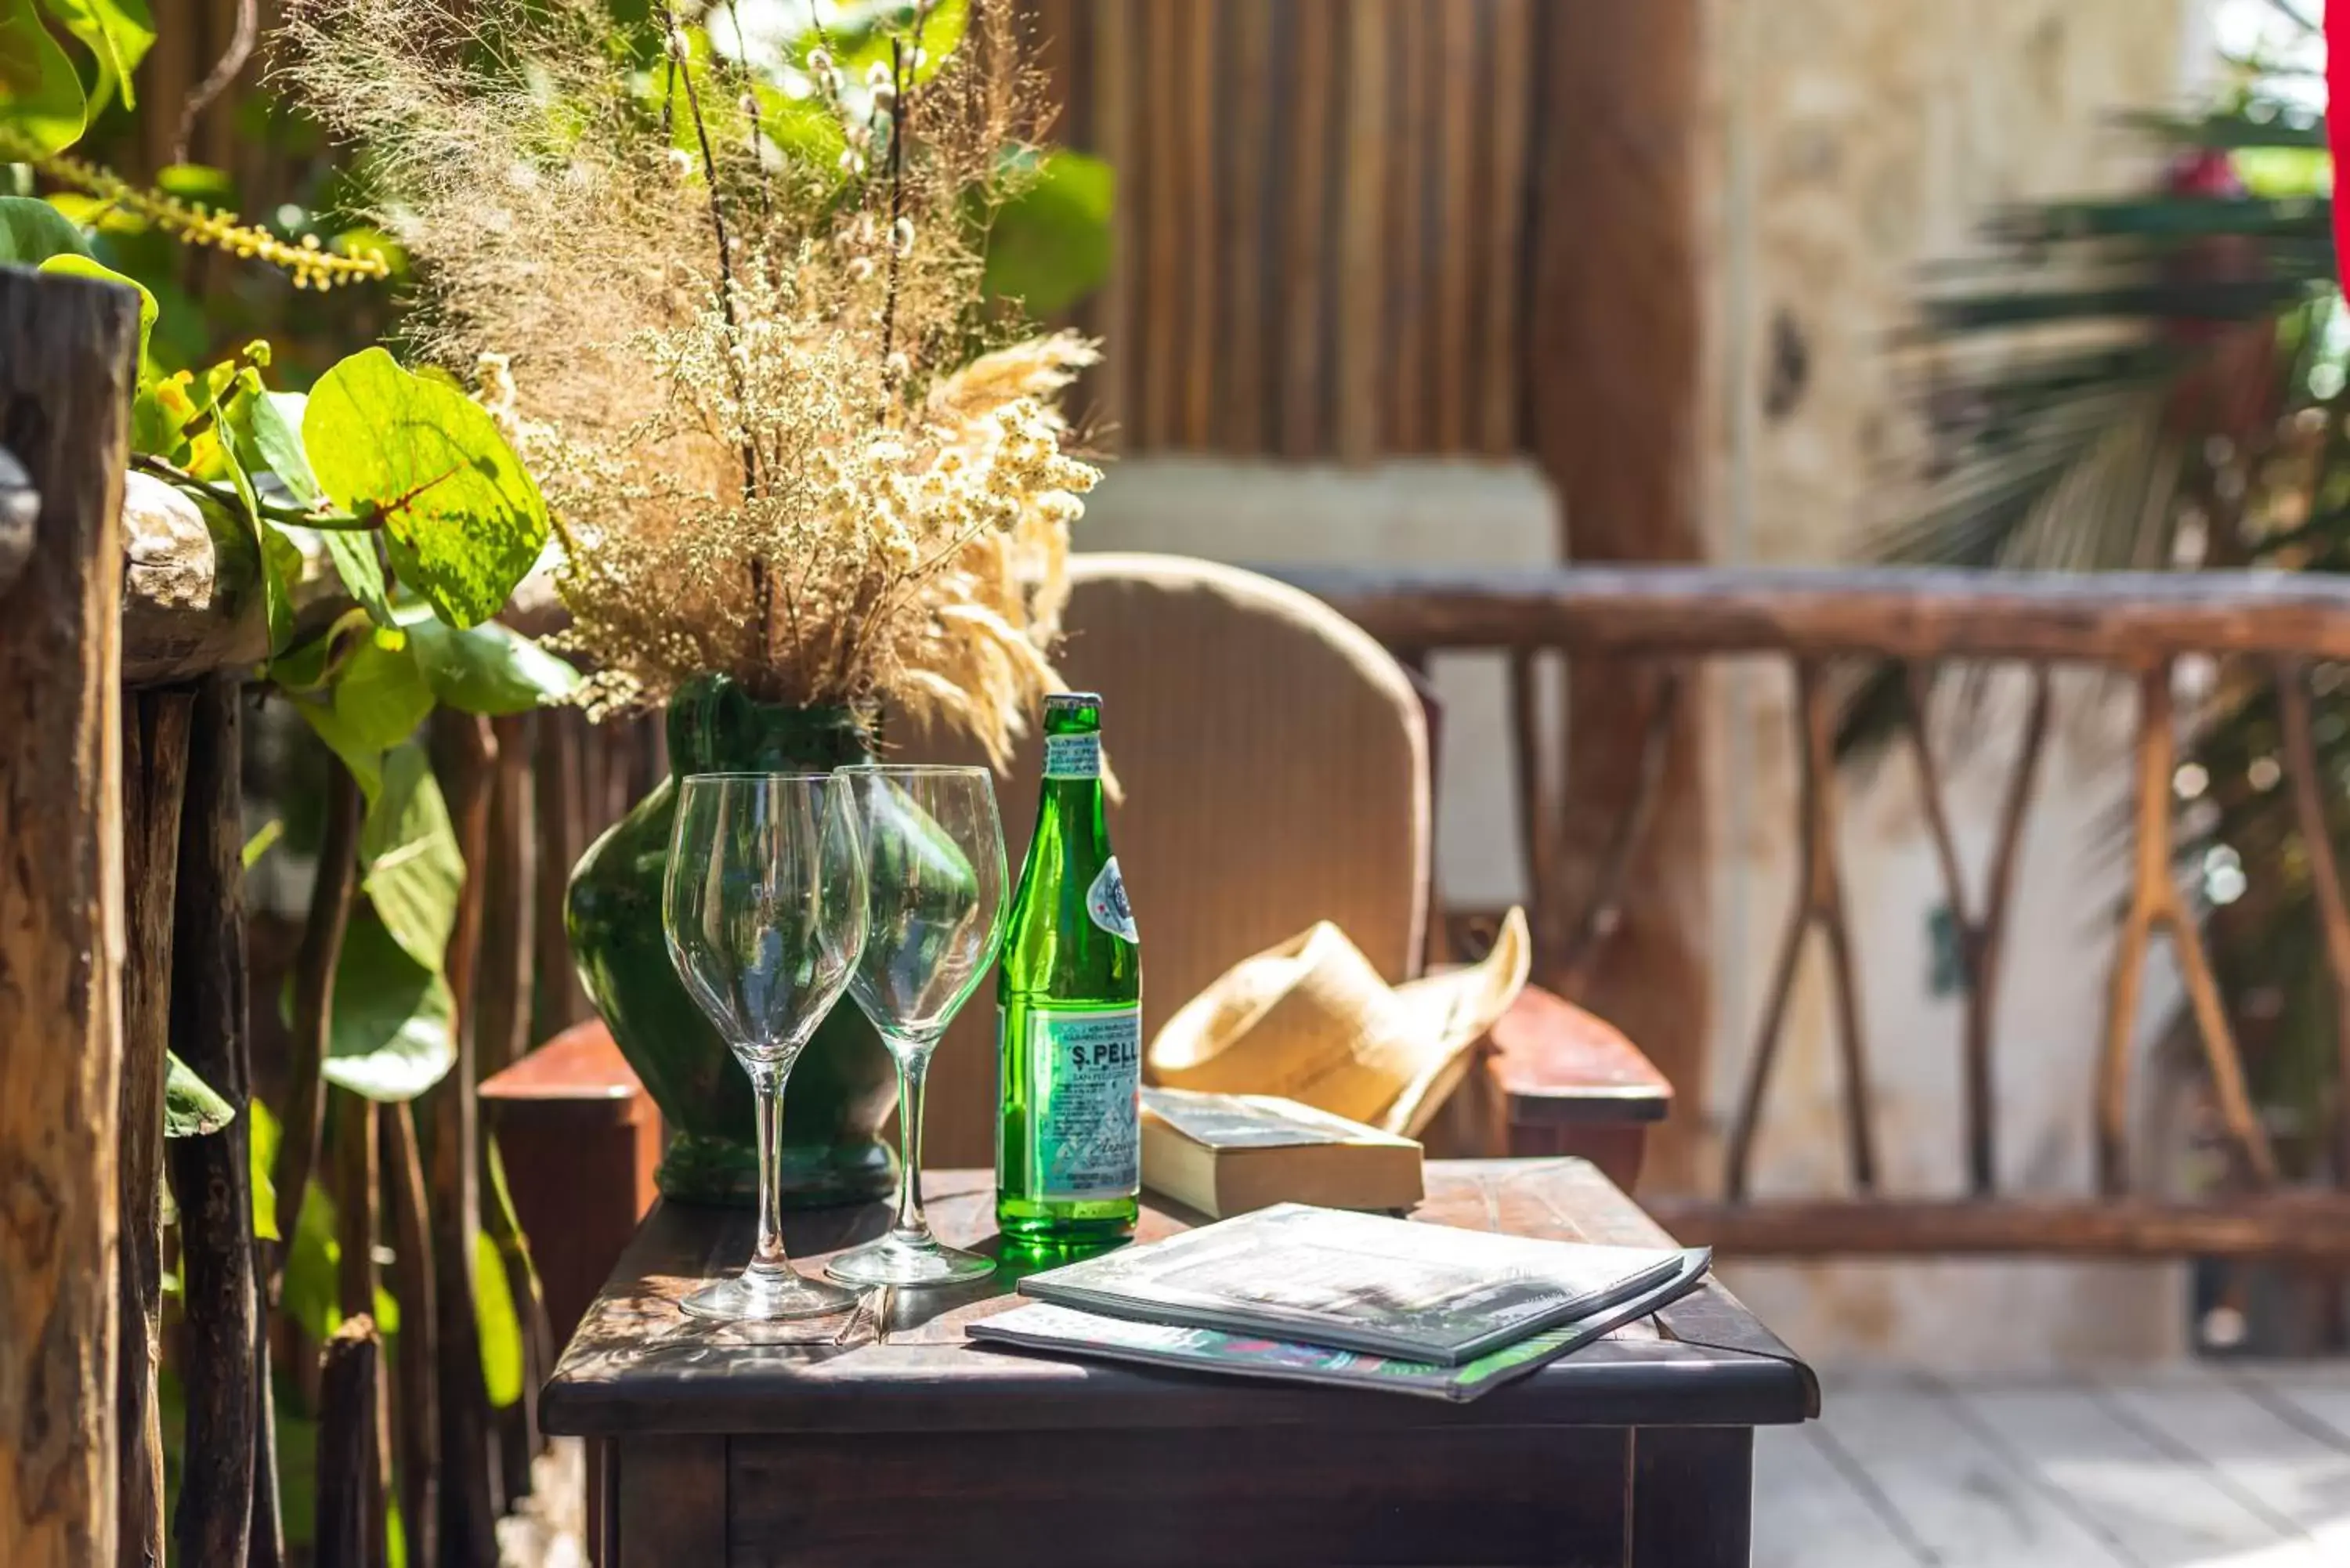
column 901, row 236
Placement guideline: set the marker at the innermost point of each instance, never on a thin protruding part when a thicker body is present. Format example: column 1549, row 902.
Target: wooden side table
column 888, row 1439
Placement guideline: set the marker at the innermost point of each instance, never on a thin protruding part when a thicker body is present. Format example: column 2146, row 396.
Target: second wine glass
column 935, row 880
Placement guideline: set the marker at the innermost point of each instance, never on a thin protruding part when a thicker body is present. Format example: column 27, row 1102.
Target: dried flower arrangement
column 727, row 303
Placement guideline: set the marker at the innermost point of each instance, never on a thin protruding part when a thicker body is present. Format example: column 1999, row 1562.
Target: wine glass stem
column 914, row 1067
column 767, row 1086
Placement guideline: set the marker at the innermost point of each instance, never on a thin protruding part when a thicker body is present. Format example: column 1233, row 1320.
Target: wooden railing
column 1670, row 620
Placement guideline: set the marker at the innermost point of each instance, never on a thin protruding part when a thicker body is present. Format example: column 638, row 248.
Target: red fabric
column 2337, row 126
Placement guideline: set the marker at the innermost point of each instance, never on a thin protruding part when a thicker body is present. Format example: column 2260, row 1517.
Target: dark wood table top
column 638, row 1366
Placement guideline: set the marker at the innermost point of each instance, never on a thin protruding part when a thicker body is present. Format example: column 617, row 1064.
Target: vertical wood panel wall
column 1321, row 219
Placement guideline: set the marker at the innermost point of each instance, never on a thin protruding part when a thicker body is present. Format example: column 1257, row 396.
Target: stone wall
column 1852, row 143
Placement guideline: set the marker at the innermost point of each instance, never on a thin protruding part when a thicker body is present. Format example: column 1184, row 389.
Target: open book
column 1064, row 1331
column 1358, row 1282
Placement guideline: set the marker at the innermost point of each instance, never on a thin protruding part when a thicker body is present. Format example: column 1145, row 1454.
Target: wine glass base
column 895, row 1260
column 757, row 1297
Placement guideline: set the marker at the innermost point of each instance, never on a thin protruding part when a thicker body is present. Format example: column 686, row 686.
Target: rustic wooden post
column 67, row 349
column 211, row 1176
column 154, row 771
column 351, row 1515
column 1612, row 378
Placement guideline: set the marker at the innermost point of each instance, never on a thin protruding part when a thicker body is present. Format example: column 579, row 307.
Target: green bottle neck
column 1072, row 822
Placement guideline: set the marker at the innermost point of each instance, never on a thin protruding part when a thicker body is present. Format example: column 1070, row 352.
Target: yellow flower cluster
column 311, row 264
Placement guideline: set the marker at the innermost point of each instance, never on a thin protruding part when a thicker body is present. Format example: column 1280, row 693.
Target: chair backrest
column 1275, row 767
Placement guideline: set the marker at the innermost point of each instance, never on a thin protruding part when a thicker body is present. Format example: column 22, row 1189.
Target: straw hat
column 1312, row 1021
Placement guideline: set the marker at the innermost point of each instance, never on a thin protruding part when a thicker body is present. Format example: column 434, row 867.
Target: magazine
column 1357, row 1281
column 1065, row 1330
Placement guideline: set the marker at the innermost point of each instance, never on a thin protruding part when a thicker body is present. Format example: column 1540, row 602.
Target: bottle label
column 1105, row 902
column 1085, row 1126
column 1073, row 756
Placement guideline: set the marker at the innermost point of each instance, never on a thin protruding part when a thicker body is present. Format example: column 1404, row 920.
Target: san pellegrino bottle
column 1069, row 1147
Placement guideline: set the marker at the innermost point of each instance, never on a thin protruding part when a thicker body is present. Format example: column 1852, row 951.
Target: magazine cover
column 1357, row 1281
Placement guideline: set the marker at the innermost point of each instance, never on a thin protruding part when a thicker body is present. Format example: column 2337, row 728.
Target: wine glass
column 935, row 879
column 763, row 906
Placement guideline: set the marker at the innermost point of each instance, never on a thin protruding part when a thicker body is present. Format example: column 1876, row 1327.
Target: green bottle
column 1069, row 1147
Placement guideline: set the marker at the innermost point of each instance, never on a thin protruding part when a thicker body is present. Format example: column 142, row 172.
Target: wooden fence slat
column 314, row 960
column 1459, row 162
column 211, row 1175
column 1115, row 138
column 65, row 366
column 1158, row 258
column 412, row 1285
column 154, row 775
column 351, row 1515
column 1203, row 252
column 1402, row 390
column 562, row 817
column 1509, row 196
column 1357, row 356
column 1307, row 243
column 510, row 918
column 1242, row 178
column 465, row 757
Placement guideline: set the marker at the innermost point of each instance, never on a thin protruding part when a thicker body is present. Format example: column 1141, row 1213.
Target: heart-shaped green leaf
column 463, row 519
column 40, row 94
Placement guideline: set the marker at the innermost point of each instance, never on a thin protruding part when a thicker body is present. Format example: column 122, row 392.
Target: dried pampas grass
column 738, row 335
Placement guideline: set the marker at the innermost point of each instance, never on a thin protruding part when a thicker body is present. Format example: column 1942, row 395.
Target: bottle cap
column 1072, row 699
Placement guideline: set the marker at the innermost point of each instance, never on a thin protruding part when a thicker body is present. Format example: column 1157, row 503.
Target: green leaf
column 311, row 1259
column 263, row 842
column 270, row 424
column 462, row 517
column 306, row 669
column 410, row 869
column 191, row 1108
column 488, row 669
column 376, row 703
column 268, row 429
column 32, row 231
column 40, row 93
column 81, row 266
column 119, row 32
column 500, row 1325
column 281, row 565
column 391, row 1037
column 159, row 417
column 262, row 1133
column 1049, row 245
column 355, row 562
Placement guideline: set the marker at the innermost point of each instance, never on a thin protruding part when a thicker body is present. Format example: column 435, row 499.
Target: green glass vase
column 843, row 1087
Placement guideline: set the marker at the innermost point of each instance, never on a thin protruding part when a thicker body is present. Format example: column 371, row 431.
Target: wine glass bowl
column 764, row 907
column 936, row 882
